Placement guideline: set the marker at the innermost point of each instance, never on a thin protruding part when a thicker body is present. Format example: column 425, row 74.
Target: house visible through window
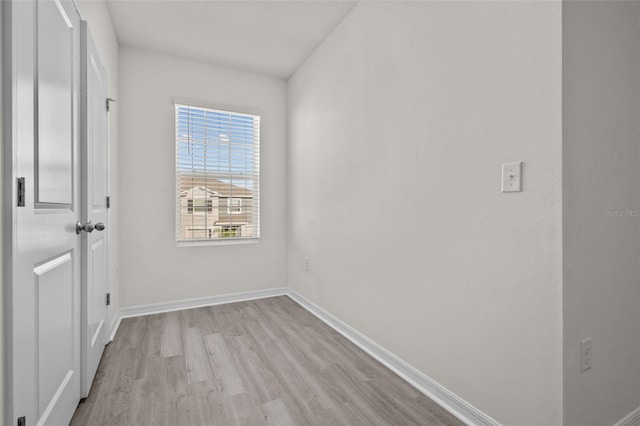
column 217, row 174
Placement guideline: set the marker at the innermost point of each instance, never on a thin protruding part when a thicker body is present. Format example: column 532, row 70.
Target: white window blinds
column 217, row 174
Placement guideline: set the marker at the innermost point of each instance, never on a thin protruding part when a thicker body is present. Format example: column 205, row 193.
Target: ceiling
column 266, row 37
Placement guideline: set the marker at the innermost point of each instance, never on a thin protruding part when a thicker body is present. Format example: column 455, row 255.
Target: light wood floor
column 264, row 362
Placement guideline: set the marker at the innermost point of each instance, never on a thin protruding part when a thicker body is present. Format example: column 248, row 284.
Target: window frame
column 255, row 178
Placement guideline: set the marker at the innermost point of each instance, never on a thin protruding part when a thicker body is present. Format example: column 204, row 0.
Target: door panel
column 94, row 202
column 54, row 158
column 55, row 285
column 45, row 285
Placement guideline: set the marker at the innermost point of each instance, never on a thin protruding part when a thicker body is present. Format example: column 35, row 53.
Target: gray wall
column 601, row 110
column 399, row 123
column 153, row 269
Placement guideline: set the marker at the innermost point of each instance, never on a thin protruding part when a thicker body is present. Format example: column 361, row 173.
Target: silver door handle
column 89, row 227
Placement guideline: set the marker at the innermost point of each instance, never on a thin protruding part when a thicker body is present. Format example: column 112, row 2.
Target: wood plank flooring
column 263, row 362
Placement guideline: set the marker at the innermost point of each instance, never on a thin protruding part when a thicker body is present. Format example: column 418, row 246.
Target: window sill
column 225, row 242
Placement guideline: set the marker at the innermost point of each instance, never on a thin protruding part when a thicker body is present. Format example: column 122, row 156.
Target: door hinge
column 22, row 421
column 108, row 299
column 21, row 192
column 109, row 100
column 108, row 202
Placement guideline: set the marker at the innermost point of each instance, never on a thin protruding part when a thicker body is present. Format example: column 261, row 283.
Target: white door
column 94, row 200
column 44, row 360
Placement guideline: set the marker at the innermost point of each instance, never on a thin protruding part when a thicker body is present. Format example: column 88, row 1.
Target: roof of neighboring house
column 214, row 186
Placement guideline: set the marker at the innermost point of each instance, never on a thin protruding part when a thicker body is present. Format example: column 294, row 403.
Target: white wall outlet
column 306, row 264
column 512, row 177
column 585, row 355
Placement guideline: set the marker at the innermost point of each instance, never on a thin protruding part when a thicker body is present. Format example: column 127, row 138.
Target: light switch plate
column 512, row 177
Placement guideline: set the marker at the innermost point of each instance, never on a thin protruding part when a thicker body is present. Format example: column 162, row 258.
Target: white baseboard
column 447, row 399
column 631, row 419
column 115, row 323
column 178, row 305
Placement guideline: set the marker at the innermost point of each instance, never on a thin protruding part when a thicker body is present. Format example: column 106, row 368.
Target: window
column 231, row 231
column 234, row 206
column 199, row 206
column 217, row 175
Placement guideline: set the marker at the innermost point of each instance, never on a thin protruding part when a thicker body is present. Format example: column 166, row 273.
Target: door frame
column 8, row 197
